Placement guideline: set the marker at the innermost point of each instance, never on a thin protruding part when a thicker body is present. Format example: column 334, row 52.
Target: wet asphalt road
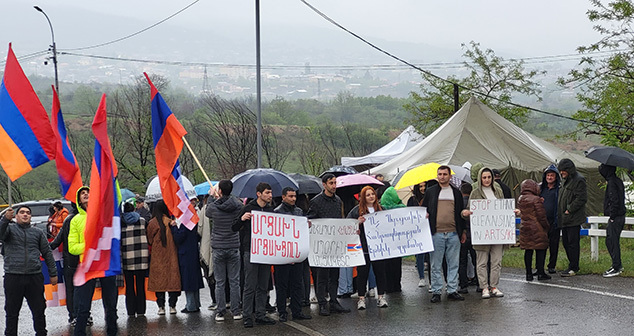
column 581, row 305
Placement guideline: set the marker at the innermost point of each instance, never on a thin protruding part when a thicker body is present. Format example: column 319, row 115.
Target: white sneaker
column 237, row 317
column 212, row 307
column 161, row 311
column 486, row 294
column 354, row 296
column 422, row 282
column 429, row 289
column 361, row 304
column 382, row 303
column 172, row 310
column 372, row 293
column 496, row 292
column 219, row 317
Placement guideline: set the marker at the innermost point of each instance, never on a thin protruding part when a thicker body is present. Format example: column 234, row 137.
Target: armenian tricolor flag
column 67, row 167
column 102, row 234
column 25, row 130
column 168, row 143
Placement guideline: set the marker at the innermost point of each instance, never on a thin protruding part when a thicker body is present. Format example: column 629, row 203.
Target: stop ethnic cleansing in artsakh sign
column 278, row 239
column 492, row 221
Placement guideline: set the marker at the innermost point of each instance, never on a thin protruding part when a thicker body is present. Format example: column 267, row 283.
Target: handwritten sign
column 335, row 243
column 398, row 232
column 278, row 239
column 492, row 221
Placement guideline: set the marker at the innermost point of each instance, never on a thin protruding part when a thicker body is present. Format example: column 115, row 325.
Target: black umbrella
column 339, row 170
column 612, row 156
column 244, row 183
column 308, row 184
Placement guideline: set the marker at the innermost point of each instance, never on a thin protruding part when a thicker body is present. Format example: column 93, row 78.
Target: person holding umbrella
column 614, row 207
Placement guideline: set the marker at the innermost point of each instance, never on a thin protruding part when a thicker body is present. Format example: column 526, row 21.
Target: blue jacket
column 550, row 196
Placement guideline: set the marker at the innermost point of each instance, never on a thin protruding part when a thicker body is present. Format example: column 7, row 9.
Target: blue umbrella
column 244, row 183
column 126, row 194
column 203, row 188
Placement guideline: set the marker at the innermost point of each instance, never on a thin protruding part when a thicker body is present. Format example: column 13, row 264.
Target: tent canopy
column 476, row 133
column 406, row 140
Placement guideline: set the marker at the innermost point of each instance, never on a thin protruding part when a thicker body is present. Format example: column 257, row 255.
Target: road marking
column 303, row 329
column 620, row 296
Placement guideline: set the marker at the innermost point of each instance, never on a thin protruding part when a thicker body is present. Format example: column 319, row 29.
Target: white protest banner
column 278, row 239
column 492, row 221
column 335, row 243
column 398, row 232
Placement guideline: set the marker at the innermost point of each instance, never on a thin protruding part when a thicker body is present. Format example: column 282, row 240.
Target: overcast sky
column 514, row 28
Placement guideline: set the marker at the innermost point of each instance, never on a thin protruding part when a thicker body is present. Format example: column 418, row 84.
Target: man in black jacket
column 506, row 191
column 571, row 212
column 256, row 276
column 613, row 206
column 288, row 278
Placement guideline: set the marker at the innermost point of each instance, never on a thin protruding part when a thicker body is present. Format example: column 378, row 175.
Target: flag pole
column 197, row 162
column 9, row 191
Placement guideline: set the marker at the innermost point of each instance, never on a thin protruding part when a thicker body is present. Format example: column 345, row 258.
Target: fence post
column 594, row 243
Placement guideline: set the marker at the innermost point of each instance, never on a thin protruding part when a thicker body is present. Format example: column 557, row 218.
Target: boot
column 336, row 307
column 323, row 310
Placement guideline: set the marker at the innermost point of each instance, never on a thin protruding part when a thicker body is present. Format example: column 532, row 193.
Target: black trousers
column 570, row 239
column 540, row 259
column 613, row 240
column 306, row 282
column 327, row 282
column 16, row 288
column 289, row 282
column 135, row 292
column 554, row 234
column 466, row 249
column 393, row 271
column 69, row 273
column 363, row 272
column 173, row 298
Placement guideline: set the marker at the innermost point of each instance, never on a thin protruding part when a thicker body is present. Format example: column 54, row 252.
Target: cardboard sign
column 335, row 243
column 278, row 239
column 398, row 232
column 492, row 221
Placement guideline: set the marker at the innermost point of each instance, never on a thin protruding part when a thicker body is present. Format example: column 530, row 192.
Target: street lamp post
column 54, row 49
column 258, row 82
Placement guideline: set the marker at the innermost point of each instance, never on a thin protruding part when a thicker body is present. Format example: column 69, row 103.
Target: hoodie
column 614, row 201
column 573, row 196
column 550, row 195
column 390, row 199
column 222, row 213
column 76, row 241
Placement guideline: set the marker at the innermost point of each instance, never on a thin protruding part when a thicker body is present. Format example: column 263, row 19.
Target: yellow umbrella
column 422, row 173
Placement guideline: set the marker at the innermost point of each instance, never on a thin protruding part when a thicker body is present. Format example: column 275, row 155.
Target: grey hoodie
column 222, row 213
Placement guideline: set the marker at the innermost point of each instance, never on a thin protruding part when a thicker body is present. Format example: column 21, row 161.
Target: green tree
column 493, row 76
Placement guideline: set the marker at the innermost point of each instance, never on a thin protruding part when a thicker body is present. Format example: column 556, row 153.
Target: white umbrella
column 153, row 192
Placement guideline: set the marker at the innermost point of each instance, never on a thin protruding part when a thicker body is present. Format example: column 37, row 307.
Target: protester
column 288, row 278
column 142, row 210
column 135, row 258
column 497, row 177
column 571, row 212
column 393, row 266
column 444, row 204
column 206, row 255
column 533, row 229
column 327, row 205
column 466, row 248
column 189, row 265
column 368, row 203
column 164, row 271
column 550, row 193
column 23, row 245
column 418, row 194
column 222, row 210
column 614, row 207
column 380, row 190
column 56, row 220
column 84, row 293
column 256, row 276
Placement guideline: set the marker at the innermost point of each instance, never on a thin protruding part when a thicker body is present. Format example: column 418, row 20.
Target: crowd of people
column 175, row 259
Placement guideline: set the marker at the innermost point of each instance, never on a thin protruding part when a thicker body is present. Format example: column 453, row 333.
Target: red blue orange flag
column 25, row 130
column 168, row 143
column 67, row 167
column 102, row 256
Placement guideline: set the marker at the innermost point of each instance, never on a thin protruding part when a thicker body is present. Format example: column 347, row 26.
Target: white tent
column 478, row 134
column 406, row 140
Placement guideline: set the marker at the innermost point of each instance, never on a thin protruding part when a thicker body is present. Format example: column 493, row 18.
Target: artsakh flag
column 354, row 247
column 101, row 257
column 168, row 143
column 67, row 168
column 25, row 130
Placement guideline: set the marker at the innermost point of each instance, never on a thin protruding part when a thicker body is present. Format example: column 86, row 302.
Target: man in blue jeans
column 222, row 210
column 444, row 204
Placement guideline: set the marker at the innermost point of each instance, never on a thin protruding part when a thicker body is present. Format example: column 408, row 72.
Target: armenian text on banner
column 278, row 239
column 335, row 243
column 398, row 232
column 492, row 221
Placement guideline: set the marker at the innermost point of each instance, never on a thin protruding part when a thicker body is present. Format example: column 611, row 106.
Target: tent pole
column 456, row 97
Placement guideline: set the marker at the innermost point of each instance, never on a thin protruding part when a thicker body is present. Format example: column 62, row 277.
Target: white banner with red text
column 492, row 221
column 278, row 239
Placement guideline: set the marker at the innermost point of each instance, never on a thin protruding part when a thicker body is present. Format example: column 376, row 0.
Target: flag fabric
column 102, row 256
column 55, row 295
column 25, row 130
column 67, row 167
column 168, row 143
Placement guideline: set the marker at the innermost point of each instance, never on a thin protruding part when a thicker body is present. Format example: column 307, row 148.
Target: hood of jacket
column 530, row 187
column 130, row 217
column 551, row 169
column 228, row 204
column 390, row 199
column 80, row 210
column 568, row 166
column 475, row 171
column 607, row 171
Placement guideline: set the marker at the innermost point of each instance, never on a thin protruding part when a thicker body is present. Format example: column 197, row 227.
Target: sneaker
column 220, row 317
column 382, row 303
column 612, row 272
column 354, row 296
column 212, row 307
column 435, row 298
column 568, row 273
column 161, row 311
column 485, row 293
column 455, row 297
column 372, row 292
column 313, row 300
column 265, row 321
column 422, row 282
column 529, row 277
column 89, row 322
column 552, row 270
column 73, row 322
column 544, row 277
column 237, row 317
column 429, row 289
column 361, row 304
column 463, row 290
column 496, row 292
column 172, row 310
